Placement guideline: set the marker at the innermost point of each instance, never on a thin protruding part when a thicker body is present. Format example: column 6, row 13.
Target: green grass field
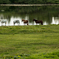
column 29, row 42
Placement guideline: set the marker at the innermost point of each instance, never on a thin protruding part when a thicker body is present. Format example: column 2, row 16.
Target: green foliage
column 34, row 56
column 4, row 1
column 28, row 2
column 47, row 9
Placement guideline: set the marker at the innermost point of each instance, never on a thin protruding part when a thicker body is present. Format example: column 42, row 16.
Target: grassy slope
column 35, row 40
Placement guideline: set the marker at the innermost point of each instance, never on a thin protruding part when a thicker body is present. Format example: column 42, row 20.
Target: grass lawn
column 29, row 42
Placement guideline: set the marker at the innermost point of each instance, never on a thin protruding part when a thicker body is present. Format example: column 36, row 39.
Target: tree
column 4, row 1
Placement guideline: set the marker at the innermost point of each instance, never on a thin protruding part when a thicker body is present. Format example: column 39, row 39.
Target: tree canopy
column 29, row 1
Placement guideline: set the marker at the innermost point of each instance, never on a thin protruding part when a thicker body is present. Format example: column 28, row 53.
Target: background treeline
column 29, row 1
column 29, row 9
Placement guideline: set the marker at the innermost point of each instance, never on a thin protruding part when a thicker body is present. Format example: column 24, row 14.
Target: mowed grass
column 37, row 41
